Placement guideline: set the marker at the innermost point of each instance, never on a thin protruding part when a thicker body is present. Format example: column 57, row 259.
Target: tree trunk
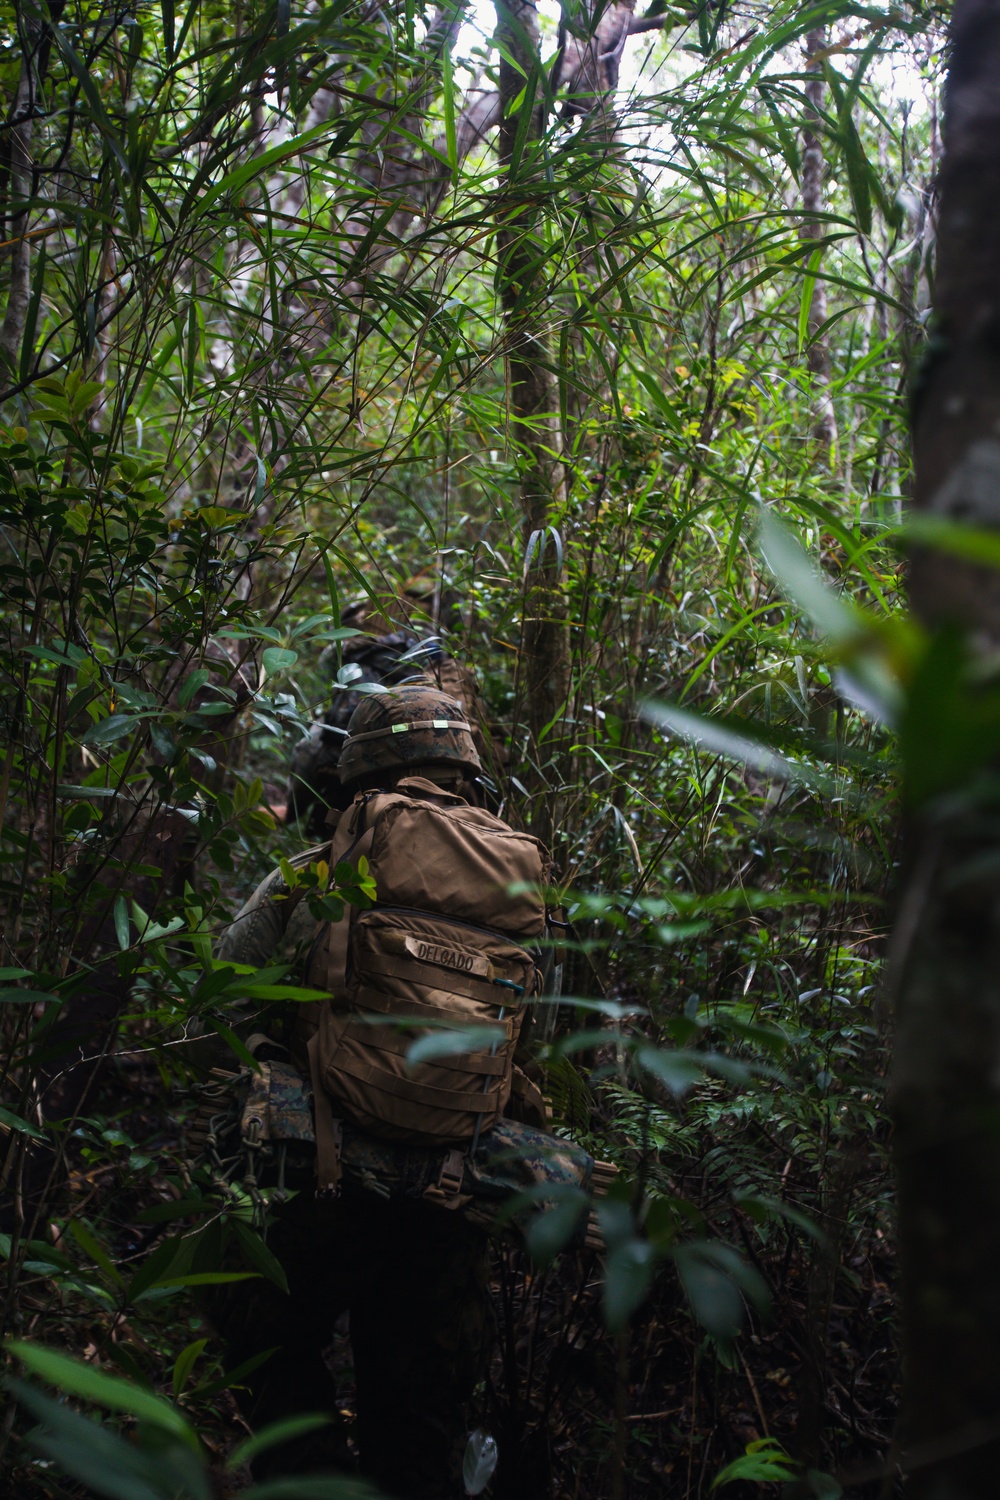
column 532, row 388
column 946, row 1083
column 813, row 204
column 21, row 126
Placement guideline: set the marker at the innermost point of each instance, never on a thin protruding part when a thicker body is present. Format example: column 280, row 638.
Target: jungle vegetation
column 597, row 331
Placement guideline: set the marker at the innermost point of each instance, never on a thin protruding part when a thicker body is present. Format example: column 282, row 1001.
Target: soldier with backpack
column 448, row 943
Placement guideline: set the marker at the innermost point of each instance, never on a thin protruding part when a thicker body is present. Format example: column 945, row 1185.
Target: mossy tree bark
column 946, row 1085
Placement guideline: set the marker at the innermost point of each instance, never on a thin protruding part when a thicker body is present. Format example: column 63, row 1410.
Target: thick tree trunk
column 532, row 387
column 946, row 1085
column 813, row 205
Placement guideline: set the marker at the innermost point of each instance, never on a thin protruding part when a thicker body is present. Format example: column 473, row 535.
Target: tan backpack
column 444, row 944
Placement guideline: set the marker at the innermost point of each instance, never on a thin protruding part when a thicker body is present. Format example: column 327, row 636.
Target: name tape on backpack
column 427, row 952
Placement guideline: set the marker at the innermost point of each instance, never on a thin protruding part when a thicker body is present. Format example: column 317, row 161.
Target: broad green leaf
column 278, row 659
column 106, row 731
column 110, row 1391
column 628, row 1275
column 106, row 1463
column 9, row 1121
column 711, row 735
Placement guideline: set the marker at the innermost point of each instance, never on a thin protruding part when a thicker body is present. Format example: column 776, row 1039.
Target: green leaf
column 148, row 931
column 677, row 1070
column 272, row 1434
column 190, row 686
column 258, row 166
column 258, row 1254
column 451, row 1043
column 167, row 12
column 765, row 1462
column 806, row 298
column 950, row 728
column 105, row 1463
column 448, row 80
column 548, row 1232
column 122, row 931
column 973, row 543
column 717, row 1281
column 628, row 1275
column 28, row 997
column 172, row 1252
column 296, row 993
column 231, row 1378
column 31, row 319
column 313, row 1487
column 234, row 1043
column 206, row 1278
column 278, row 659
column 713, row 735
column 10, row 1121
column 804, row 582
column 106, row 731
column 109, row 1391
column 88, row 1242
column 184, row 1364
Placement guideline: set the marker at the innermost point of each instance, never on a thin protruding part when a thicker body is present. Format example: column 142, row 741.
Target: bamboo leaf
column 110, row 1391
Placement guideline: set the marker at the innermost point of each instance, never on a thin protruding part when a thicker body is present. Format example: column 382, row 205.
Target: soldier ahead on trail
column 408, row 654
column 411, row 1158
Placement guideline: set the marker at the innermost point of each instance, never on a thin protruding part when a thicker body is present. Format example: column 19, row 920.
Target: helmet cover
column 409, row 725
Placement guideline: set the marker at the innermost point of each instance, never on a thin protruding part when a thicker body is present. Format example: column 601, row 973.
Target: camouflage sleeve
column 256, row 932
column 274, row 925
column 271, row 926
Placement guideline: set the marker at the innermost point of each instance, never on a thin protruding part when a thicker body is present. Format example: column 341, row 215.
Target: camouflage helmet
column 409, row 725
